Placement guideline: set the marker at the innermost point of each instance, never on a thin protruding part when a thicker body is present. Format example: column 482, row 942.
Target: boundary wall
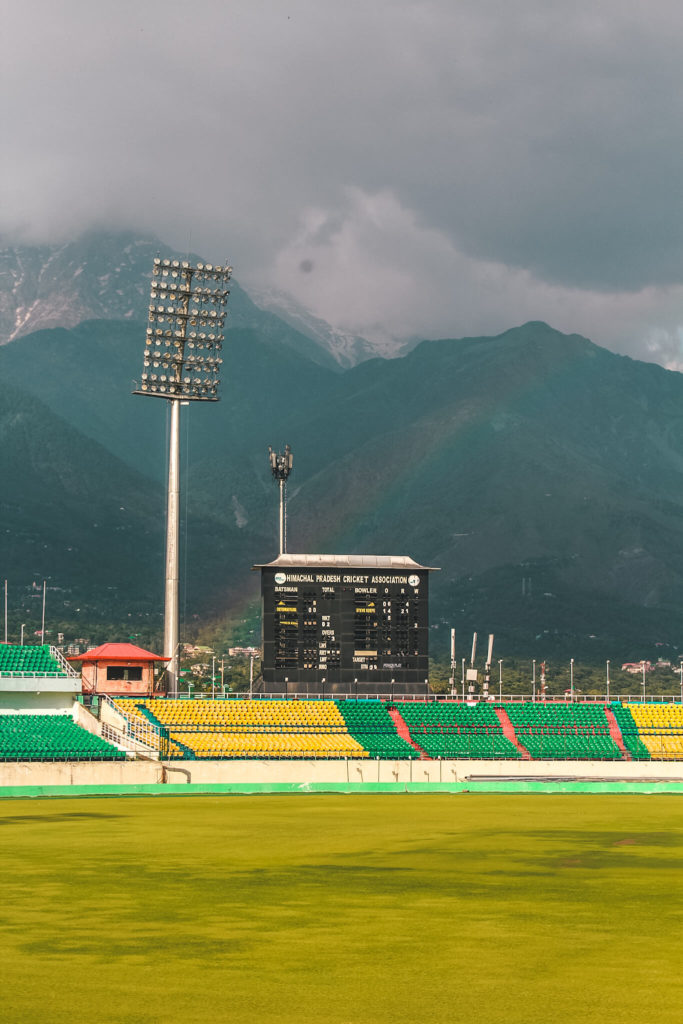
column 334, row 776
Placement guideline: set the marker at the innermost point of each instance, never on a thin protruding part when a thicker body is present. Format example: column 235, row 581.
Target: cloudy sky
column 402, row 168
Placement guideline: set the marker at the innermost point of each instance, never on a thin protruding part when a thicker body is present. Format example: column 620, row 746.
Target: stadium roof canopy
column 345, row 562
column 118, row 652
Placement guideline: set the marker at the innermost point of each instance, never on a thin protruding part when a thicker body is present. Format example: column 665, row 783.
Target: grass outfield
column 342, row 909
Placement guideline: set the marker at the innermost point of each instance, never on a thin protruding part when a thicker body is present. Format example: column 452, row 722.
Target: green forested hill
column 76, row 515
column 72, row 512
column 87, row 375
column 532, row 456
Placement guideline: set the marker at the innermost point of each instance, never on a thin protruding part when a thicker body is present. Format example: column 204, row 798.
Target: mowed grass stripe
column 342, row 909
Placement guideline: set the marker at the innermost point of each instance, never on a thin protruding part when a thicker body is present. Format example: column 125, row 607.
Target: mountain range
column 102, row 276
column 541, row 473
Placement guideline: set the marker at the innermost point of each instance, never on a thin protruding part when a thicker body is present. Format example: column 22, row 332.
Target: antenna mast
column 472, row 674
column 452, row 679
column 281, row 467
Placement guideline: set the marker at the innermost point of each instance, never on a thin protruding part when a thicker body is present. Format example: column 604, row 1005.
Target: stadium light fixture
column 184, row 335
column 181, row 363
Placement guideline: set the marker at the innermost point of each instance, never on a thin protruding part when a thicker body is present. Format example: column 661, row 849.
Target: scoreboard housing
column 345, row 624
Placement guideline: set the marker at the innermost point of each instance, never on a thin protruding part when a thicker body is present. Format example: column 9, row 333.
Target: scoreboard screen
column 344, row 629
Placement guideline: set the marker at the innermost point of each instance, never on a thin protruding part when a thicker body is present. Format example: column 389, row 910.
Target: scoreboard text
column 344, row 627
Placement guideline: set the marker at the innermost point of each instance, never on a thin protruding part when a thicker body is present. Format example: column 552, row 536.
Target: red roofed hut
column 121, row 670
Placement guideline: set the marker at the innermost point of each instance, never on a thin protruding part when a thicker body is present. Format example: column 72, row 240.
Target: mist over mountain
column 106, row 276
column 543, row 474
column 348, row 349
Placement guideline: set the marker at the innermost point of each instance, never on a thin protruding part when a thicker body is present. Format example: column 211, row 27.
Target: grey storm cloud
column 401, row 168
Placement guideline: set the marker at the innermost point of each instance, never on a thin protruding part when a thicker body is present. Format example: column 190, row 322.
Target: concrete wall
column 86, row 719
column 79, row 773
column 40, row 684
column 109, row 715
column 461, row 771
column 94, row 679
column 303, row 773
column 36, row 702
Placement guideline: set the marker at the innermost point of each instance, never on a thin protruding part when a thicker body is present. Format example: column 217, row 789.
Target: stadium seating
column 314, row 716
column 370, row 723
column 660, row 727
column 144, row 728
column 51, row 738
column 564, row 731
column 270, row 745
column 449, row 729
column 245, row 729
column 36, row 660
column 353, row 728
column 629, row 732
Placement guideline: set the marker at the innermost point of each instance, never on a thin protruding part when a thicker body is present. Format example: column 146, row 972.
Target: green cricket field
column 331, row 909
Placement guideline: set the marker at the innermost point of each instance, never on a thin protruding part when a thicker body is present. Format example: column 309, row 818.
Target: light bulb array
column 184, row 337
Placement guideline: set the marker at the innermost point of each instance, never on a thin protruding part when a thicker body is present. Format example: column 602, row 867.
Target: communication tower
column 281, row 466
column 474, row 690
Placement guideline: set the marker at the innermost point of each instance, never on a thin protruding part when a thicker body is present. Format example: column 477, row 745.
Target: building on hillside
column 345, row 624
column 35, row 678
column 635, row 667
column 200, row 668
column 77, row 646
column 120, row 670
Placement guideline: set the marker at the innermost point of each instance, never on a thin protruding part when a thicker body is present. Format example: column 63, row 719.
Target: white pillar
column 172, row 542
column 282, row 515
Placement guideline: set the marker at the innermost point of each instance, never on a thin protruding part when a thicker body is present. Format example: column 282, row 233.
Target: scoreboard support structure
column 345, row 624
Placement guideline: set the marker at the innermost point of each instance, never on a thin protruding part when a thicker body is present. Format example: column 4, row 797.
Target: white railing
column 128, row 742
column 493, row 698
column 136, row 734
column 29, row 674
column 61, row 660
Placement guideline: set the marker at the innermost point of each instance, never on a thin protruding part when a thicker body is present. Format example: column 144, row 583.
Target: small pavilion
column 120, row 670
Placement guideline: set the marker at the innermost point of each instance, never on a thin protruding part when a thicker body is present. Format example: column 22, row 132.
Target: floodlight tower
column 281, row 466
column 181, row 364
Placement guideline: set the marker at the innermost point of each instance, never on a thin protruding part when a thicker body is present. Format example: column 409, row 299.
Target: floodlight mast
column 281, row 466
column 181, row 301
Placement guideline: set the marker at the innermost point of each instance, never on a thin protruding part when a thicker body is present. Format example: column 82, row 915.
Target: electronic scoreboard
column 345, row 623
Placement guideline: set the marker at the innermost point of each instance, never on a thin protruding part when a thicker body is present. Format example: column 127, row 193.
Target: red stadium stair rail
column 510, row 734
column 615, row 733
column 404, row 732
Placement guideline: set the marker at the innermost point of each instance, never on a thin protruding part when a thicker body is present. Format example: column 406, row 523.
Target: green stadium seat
column 563, row 731
column 35, row 659
column 35, row 737
column 454, row 730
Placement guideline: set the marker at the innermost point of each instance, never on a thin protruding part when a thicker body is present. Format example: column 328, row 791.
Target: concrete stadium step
column 510, row 734
column 615, row 733
column 404, row 732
